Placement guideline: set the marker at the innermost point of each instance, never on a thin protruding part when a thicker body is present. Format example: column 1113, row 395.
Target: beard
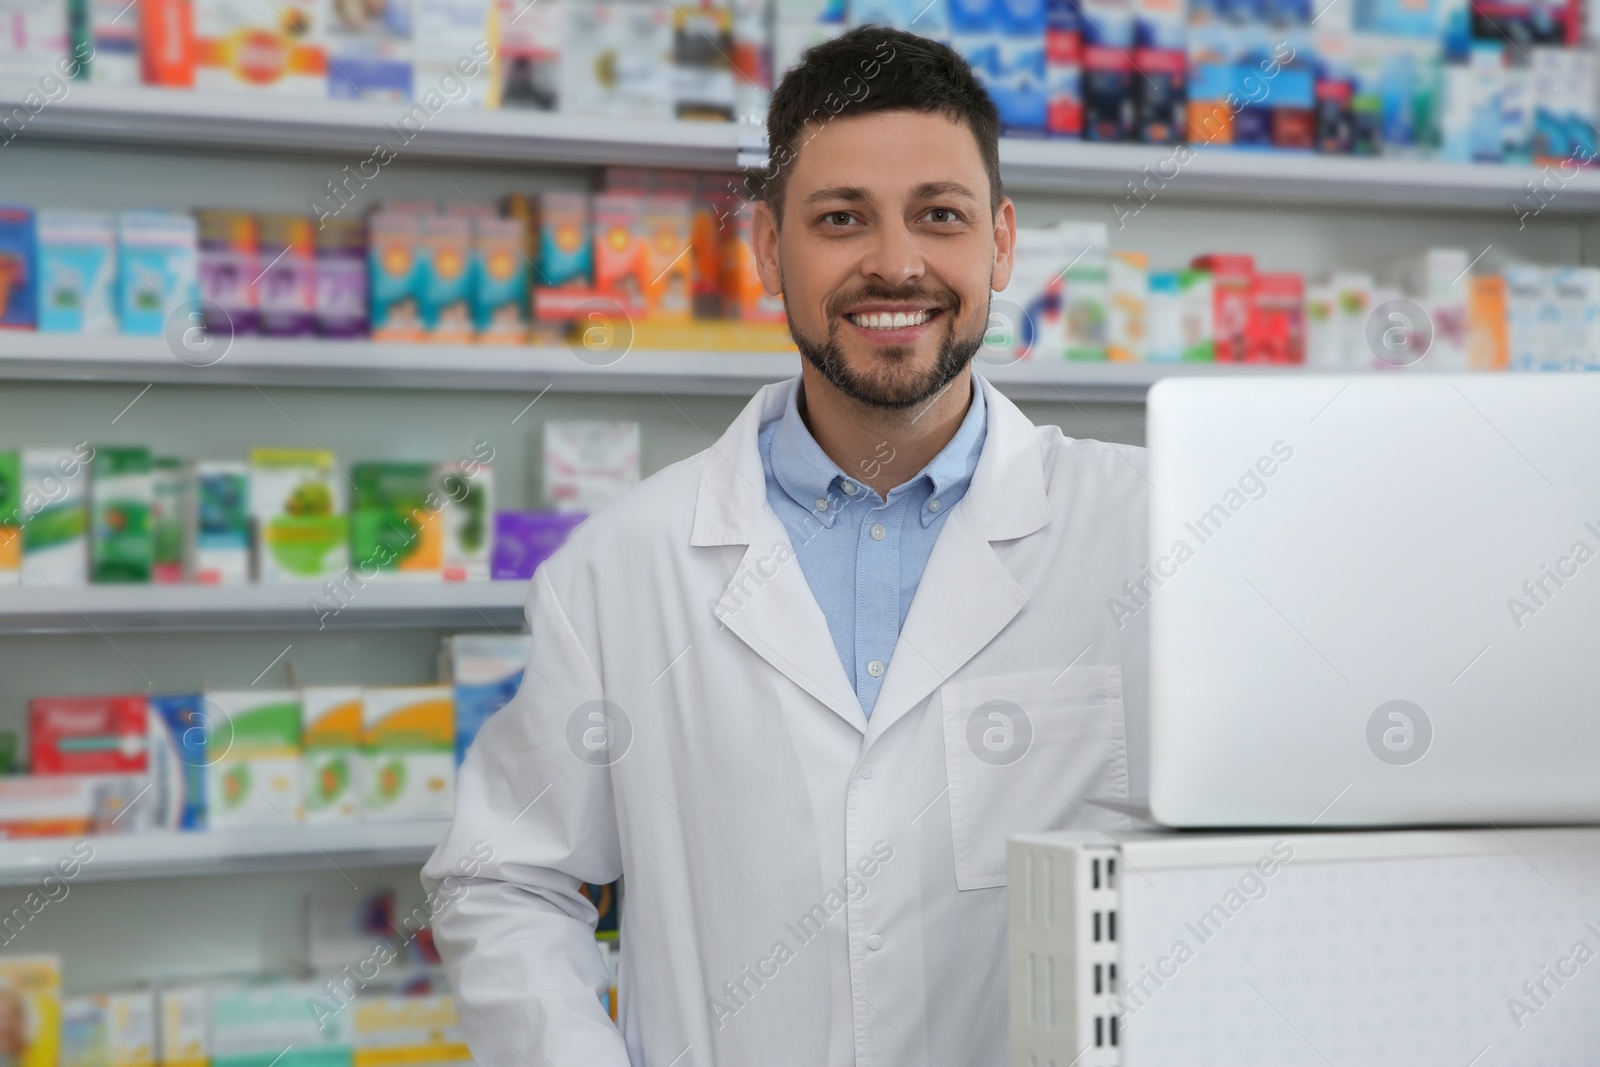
column 894, row 384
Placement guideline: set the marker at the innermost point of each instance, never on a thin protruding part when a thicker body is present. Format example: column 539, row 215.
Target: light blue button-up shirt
column 864, row 556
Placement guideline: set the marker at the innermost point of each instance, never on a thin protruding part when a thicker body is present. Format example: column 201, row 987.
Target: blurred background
column 326, row 321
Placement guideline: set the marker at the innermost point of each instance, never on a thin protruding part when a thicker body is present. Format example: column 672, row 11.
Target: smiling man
column 799, row 689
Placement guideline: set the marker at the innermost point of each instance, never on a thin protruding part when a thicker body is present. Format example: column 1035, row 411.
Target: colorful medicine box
column 88, row 734
column 220, row 553
column 486, row 671
column 396, row 525
column 179, row 727
column 160, row 266
column 229, row 247
column 19, row 265
column 393, row 272
column 331, row 764
column 301, row 528
column 287, row 282
column 77, row 272
column 121, row 497
column 467, row 490
column 252, row 758
column 525, row 539
column 55, row 531
column 409, row 752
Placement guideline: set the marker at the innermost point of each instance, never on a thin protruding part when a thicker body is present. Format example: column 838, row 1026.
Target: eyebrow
column 926, row 191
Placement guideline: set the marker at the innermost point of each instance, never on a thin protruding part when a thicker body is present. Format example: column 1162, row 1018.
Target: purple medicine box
column 342, row 278
column 525, row 539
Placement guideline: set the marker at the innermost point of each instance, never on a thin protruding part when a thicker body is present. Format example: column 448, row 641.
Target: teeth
column 886, row 320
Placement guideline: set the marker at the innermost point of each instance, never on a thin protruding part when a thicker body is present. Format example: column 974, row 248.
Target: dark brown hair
column 867, row 69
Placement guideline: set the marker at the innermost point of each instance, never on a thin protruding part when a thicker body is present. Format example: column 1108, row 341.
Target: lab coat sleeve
column 533, row 820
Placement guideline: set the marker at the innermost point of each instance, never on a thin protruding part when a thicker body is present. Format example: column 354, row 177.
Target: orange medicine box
column 618, row 255
column 667, row 267
column 744, row 297
column 1488, row 344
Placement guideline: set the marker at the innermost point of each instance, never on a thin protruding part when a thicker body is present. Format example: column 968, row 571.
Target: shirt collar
column 816, row 483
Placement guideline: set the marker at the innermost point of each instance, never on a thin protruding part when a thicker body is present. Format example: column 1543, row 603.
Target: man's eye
column 942, row 214
column 840, row 218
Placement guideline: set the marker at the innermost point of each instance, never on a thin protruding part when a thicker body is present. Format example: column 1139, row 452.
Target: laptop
column 1373, row 600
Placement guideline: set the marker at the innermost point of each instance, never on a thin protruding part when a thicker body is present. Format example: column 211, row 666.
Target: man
column 800, row 688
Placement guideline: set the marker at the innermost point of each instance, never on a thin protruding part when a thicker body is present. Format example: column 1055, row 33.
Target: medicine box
column 467, row 492
column 1232, row 302
column 287, row 281
column 409, row 752
column 589, row 464
column 341, row 278
column 331, row 764
column 228, row 268
column 526, row 69
column 179, row 727
column 109, row 1030
column 261, row 45
column 69, row 805
column 1129, row 294
column 252, row 758
column 1018, row 86
column 369, row 51
column 486, row 671
column 253, row 1023
column 220, row 553
column 89, row 734
column 1025, row 318
column 1276, row 333
column 618, row 250
column 500, row 280
column 1323, row 348
column 11, row 518
column 1487, row 340
column 1063, row 70
column 525, row 539
column 1164, row 318
column 1085, row 295
column 77, row 272
column 184, row 1032
column 665, row 257
column 394, row 238
column 396, row 520
column 1197, row 315
column 422, row 1028
column 55, row 531
column 35, row 983
column 297, row 507
column 19, row 265
column 565, row 255
column 121, row 497
column 169, row 483
column 159, row 256
column 745, row 298
column 444, row 278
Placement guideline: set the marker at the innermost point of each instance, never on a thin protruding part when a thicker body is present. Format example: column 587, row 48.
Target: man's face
column 888, row 253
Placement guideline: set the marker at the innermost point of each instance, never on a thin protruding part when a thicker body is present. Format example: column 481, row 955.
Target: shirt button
column 866, row 770
column 822, row 503
column 874, row 942
column 875, row 668
column 848, row 487
column 878, row 532
column 933, row 505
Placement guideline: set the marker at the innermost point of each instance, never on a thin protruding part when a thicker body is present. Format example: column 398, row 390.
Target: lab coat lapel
column 767, row 602
column 966, row 595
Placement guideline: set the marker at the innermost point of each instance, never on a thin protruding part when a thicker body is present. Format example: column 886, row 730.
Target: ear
column 1005, row 243
column 764, row 245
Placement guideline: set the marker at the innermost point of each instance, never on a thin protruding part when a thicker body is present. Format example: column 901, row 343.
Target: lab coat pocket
column 1025, row 753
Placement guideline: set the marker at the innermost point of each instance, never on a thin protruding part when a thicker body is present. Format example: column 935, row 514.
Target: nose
column 892, row 256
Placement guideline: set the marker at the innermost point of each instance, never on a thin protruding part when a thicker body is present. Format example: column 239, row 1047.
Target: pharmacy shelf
column 390, row 604
column 147, row 117
column 172, row 854
column 530, row 369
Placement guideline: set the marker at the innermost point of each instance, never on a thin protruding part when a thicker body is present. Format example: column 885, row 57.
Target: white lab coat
column 744, row 782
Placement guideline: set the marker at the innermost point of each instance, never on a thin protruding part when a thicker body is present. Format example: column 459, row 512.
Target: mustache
column 917, row 294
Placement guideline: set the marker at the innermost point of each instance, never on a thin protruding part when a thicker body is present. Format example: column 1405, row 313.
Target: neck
column 881, row 447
